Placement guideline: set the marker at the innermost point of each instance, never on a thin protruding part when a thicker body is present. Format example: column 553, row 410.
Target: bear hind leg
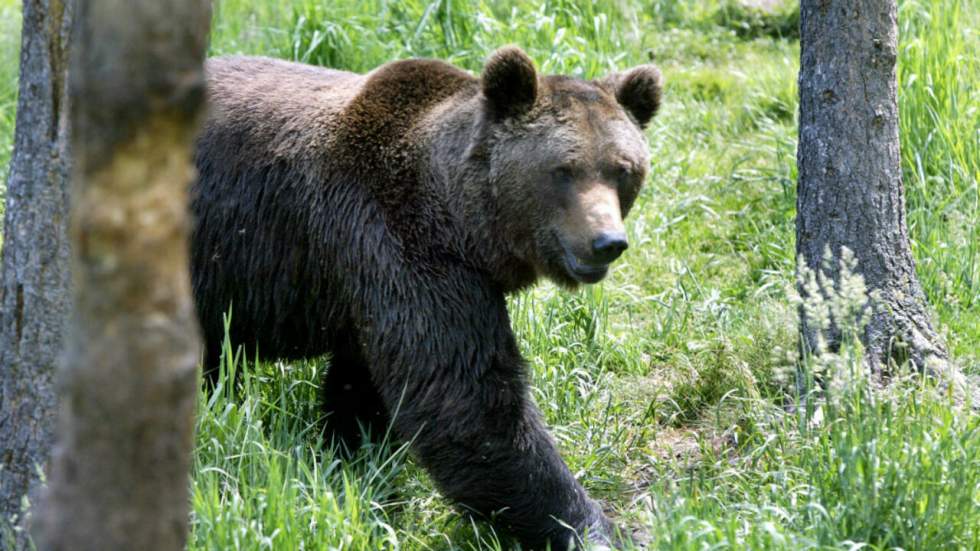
column 354, row 409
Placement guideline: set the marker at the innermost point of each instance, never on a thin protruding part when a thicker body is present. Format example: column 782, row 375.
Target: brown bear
column 382, row 218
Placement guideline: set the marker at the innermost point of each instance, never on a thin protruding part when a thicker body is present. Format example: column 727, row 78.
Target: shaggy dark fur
column 381, row 218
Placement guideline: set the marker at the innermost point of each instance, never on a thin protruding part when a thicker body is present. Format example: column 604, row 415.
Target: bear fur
column 382, row 218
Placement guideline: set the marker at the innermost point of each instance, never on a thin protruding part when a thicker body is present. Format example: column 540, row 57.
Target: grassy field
column 668, row 386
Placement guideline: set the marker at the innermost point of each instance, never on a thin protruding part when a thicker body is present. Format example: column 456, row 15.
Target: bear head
column 566, row 159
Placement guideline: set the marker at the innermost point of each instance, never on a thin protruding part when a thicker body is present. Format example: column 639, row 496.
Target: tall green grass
column 585, row 38
column 9, row 65
column 265, row 478
column 939, row 109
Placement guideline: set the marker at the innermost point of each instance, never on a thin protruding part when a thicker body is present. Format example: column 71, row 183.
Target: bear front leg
column 454, row 382
column 512, row 475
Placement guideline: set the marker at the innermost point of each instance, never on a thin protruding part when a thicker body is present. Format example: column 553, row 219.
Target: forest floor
column 670, row 387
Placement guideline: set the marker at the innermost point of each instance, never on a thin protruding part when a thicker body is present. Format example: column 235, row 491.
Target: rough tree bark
column 849, row 192
column 119, row 469
column 34, row 281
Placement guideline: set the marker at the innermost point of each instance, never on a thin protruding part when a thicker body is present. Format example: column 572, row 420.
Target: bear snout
column 607, row 246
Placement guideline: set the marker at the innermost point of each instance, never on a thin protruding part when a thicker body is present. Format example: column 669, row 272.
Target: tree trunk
column 34, row 280
column 850, row 192
column 119, row 471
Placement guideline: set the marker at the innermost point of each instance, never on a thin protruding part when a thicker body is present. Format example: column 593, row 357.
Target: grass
column 9, row 48
column 666, row 386
column 939, row 66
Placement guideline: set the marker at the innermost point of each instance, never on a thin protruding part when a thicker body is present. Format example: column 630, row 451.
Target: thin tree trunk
column 34, row 281
column 850, row 192
column 119, row 472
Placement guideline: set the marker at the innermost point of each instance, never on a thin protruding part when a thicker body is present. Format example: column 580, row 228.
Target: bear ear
column 510, row 82
column 638, row 91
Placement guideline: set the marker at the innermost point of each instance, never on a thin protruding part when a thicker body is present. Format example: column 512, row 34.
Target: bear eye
column 622, row 172
column 562, row 175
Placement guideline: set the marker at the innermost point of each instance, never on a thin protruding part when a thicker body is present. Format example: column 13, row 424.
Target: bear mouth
column 580, row 271
column 585, row 273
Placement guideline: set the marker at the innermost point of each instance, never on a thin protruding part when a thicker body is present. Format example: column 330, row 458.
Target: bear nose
column 608, row 246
